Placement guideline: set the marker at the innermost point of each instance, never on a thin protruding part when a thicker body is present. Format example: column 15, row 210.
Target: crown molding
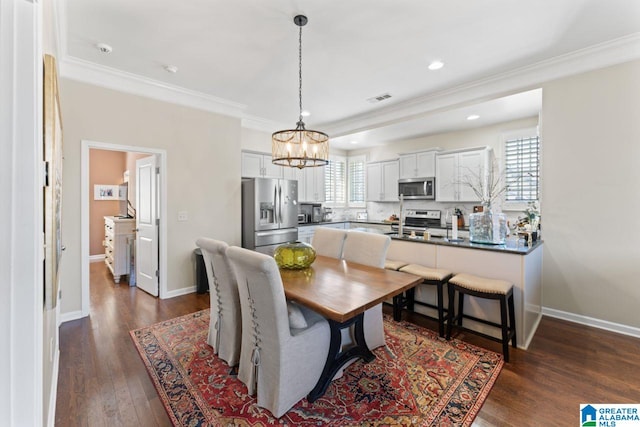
column 88, row 72
column 260, row 124
column 602, row 55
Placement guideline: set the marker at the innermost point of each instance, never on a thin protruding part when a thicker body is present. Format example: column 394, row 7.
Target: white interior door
column 147, row 225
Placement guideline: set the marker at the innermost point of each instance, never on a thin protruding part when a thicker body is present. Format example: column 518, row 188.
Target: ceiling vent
column 379, row 98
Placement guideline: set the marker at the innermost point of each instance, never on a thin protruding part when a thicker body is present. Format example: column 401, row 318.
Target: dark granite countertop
column 511, row 246
column 345, row 221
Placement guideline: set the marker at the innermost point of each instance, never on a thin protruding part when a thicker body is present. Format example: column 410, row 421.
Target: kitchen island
column 513, row 261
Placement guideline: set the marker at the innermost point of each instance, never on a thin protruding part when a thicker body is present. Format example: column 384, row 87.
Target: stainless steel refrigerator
column 269, row 213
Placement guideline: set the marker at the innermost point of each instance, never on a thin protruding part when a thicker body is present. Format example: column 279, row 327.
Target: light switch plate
column 183, row 216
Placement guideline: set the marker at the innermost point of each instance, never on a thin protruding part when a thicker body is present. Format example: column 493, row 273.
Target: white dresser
column 118, row 234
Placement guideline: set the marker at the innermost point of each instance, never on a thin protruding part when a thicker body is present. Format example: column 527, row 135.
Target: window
column 335, row 181
column 356, row 180
column 522, row 168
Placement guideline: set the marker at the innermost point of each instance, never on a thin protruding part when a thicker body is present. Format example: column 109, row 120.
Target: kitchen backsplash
column 381, row 211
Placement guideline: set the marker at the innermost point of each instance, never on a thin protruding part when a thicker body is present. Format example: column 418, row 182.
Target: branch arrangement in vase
column 487, row 188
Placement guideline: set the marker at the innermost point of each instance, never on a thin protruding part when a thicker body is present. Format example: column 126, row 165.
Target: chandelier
column 300, row 147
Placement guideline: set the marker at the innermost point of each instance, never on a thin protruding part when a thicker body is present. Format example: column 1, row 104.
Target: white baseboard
column 53, row 393
column 179, row 292
column 96, row 258
column 590, row 321
column 72, row 315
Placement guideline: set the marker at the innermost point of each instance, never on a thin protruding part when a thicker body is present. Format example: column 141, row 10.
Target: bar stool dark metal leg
column 505, row 327
column 512, row 321
column 451, row 310
column 439, row 287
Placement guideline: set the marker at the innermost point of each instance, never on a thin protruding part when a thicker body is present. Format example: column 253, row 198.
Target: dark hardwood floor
column 102, row 381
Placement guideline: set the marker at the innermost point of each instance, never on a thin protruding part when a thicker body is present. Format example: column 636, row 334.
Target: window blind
column 522, row 169
column 356, row 180
column 335, row 181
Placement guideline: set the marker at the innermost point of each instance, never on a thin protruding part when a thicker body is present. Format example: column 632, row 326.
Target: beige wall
column 255, row 140
column 590, row 198
column 203, row 172
column 105, row 168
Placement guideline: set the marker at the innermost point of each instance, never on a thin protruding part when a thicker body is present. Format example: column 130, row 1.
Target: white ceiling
column 245, row 52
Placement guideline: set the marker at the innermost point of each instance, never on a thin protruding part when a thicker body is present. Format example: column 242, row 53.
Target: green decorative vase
column 294, row 255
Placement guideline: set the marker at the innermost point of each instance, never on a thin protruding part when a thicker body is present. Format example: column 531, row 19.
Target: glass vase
column 488, row 227
column 294, row 255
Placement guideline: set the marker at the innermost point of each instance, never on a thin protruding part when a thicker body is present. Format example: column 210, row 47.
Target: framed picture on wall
column 52, row 153
column 106, row 192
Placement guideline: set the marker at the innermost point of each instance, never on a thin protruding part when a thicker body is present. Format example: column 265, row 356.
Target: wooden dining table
column 342, row 291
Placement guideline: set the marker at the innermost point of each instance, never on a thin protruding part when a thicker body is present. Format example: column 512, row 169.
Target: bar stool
column 481, row 287
column 391, row 264
column 430, row 276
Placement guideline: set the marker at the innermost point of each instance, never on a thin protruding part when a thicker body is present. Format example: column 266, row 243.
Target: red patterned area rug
column 418, row 379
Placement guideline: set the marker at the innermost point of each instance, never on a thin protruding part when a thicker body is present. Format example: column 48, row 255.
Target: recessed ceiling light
column 436, row 65
column 305, row 113
column 104, row 48
column 171, row 69
column 473, row 117
column 354, row 142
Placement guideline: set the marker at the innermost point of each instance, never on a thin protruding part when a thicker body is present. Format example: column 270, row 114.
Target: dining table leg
column 337, row 358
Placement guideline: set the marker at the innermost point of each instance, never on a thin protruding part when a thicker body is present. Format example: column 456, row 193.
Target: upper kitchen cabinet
column 382, row 181
column 258, row 165
column 418, row 165
column 454, row 168
column 311, row 185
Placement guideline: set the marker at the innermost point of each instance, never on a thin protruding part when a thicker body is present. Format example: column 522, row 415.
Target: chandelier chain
column 300, row 71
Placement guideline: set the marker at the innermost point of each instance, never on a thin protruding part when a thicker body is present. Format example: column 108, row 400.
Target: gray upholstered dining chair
column 328, row 241
column 369, row 249
column 225, row 326
column 279, row 362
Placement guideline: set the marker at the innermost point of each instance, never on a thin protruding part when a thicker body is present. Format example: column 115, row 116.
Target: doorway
column 86, row 192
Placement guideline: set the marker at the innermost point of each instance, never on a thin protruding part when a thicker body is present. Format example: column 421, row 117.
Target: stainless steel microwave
column 417, row 188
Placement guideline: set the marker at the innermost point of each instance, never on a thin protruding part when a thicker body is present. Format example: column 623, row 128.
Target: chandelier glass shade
column 300, row 147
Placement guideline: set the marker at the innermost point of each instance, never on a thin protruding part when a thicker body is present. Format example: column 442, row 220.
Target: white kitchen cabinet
column 258, row 165
column 311, row 185
column 382, row 181
column 454, row 168
column 118, row 233
column 306, row 232
column 418, row 165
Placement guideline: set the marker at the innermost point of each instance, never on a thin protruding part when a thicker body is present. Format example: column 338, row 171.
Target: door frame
column 87, row 145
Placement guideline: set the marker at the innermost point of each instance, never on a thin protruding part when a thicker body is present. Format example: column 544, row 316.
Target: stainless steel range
column 420, row 221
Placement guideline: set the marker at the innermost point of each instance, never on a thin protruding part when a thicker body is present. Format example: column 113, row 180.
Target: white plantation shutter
column 356, row 180
column 335, row 178
column 522, row 169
